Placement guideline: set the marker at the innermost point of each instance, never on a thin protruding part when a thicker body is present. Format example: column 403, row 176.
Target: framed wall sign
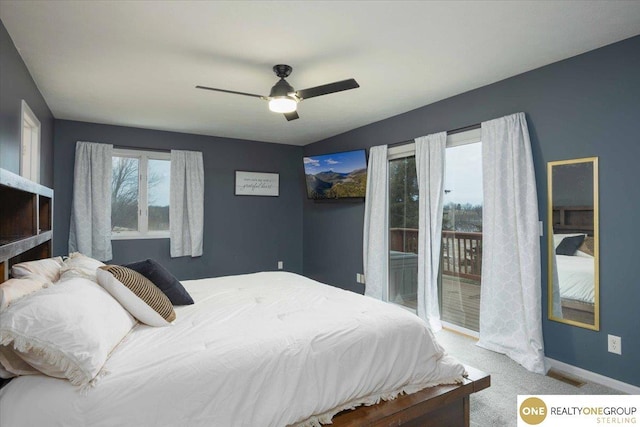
column 257, row 184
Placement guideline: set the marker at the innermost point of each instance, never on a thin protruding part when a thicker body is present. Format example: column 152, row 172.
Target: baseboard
column 593, row 377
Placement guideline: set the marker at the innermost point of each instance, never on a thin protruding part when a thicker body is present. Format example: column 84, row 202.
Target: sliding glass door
column 461, row 255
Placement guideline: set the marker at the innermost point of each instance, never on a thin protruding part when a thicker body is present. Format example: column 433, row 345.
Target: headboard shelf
column 26, row 222
column 13, row 249
column 578, row 219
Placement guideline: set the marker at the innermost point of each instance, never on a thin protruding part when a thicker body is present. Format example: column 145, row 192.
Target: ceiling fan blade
column 232, row 91
column 291, row 116
column 327, row 89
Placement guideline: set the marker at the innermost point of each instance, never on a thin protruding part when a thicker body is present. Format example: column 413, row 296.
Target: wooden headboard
column 573, row 219
column 26, row 221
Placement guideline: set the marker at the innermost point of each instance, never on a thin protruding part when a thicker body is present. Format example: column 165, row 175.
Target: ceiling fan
column 283, row 98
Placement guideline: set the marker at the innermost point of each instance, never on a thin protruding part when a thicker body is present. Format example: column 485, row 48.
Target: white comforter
column 576, row 277
column 264, row 349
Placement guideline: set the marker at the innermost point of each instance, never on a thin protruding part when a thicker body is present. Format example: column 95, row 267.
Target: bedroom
column 582, row 106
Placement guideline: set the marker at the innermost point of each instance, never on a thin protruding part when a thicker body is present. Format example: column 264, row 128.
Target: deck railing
column 461, row 251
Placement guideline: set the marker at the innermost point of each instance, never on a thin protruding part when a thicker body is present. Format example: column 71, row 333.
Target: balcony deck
column 461, row 302
column 461, row 266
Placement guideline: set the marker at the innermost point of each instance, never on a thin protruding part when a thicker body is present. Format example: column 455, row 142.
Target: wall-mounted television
column 337, row 175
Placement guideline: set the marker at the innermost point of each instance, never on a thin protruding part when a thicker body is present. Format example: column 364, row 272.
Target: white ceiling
column 135, row 63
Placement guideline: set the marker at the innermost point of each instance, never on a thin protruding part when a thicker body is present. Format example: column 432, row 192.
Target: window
column 30, row 145
column 140, row 194
column 461, row 252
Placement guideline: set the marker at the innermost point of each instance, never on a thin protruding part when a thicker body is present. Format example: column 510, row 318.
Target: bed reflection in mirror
column 573, row 242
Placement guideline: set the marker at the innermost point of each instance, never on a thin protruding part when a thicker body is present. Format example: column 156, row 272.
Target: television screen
column 337, row 175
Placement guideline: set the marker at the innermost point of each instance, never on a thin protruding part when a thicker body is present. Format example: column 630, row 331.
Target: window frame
column 30, row 132
column 143, row 157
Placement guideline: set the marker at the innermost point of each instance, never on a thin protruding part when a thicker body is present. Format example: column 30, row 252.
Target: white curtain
column 510, row 308
column 375, row 248
column 90, row 228
column 430, row 167
column 186, row 204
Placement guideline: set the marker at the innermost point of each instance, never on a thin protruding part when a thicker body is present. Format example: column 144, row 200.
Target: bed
column 576, row 276
column 263, row 349
column 576, row 268
column 269, row 349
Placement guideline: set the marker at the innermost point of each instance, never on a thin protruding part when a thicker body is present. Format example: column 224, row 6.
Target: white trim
column 133, row 235
column 400, row 151
column 593, row 377
column 155, row 155
column 462, row 138
column 29, row 143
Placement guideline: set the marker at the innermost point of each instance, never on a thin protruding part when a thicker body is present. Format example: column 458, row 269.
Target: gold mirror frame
column 573, row 312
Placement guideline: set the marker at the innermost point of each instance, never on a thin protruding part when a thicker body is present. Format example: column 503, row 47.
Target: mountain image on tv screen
column 337, row 175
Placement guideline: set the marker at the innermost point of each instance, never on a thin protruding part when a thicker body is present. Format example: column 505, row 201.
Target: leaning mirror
column 573, row 242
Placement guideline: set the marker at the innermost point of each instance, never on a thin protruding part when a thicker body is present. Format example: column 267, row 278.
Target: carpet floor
column 497, row 405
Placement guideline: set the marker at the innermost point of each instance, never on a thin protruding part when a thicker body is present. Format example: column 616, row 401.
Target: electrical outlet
column 360, row 278
column 280, row 265
column 614, row 344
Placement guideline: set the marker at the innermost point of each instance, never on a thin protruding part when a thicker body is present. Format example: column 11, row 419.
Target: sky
column 344, row 162
column 463, row 175
column 159, row 195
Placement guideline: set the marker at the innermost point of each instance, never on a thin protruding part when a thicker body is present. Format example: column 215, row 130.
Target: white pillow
column 79, row 265
column 48, row 268
column 137, row 294
column 70, row 328
column 14, row 289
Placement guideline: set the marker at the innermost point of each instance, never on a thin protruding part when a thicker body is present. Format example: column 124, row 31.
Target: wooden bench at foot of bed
column 442, row 406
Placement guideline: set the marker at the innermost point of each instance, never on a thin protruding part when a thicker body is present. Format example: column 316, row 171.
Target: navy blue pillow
column 164, row 280
column 570, row 245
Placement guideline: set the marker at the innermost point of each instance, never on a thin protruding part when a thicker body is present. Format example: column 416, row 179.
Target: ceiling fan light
column 282, row 104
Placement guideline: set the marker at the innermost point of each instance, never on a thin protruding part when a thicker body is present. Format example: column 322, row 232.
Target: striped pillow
column 137, row 294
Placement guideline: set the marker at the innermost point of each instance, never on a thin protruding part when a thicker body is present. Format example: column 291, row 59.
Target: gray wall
column 585, row 106
column 16, row 84
column 242, row 233
column 573, row 185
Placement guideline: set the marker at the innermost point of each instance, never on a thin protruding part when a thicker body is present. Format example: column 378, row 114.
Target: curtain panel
column 510, row 309
column 186, row 204
column 90, row 226
column 430, row 167
column 375, row 248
